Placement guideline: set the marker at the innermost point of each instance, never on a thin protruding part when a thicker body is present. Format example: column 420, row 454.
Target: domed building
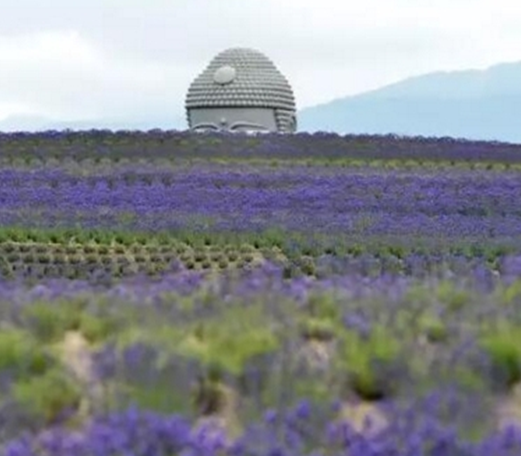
column 241, row 90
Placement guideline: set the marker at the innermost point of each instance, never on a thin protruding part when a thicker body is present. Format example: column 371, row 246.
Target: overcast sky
column 87, row 59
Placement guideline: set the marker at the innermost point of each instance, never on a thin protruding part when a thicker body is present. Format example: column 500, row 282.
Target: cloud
column 63, row 75
column 113, row 58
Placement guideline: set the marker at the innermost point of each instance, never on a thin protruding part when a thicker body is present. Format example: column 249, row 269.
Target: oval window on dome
column 224, row 75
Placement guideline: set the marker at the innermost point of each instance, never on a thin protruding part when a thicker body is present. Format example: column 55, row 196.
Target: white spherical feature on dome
column 224, row 75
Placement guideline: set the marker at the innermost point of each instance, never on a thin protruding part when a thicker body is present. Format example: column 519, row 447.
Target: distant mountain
column 37, row 123
column 473, row 104
column 23, row 123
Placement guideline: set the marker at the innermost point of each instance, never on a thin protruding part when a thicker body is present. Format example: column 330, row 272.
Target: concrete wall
column 260, row 116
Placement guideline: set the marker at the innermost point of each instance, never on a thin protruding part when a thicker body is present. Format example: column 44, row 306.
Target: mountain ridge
column 474, row 104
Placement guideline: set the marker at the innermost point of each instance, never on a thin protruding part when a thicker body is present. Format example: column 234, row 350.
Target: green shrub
column 307, row 265
column 208, row 395
column 316, row 391
column 503, row 346
column 455, row 298
column 230, row 340
column 159, row 397
column 47, row 396
column 433, row 328
column 232, row 255
column 200, row 256
column 163, row 336
column 324, row 306
column 370, row 362
column 97, row 328
column 317, row 329
column 49, row 321
column 161, row 391
column 246, row 248
column 21, row 354
column 248, row 257
column 468, row 379
column 511, row 293
column 229, row 351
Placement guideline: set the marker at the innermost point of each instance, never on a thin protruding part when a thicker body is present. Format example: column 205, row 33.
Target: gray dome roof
column 241, row 77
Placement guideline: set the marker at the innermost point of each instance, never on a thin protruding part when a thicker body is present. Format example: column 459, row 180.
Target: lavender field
column 167, row 293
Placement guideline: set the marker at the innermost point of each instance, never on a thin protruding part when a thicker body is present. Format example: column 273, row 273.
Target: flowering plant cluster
column 165, row 293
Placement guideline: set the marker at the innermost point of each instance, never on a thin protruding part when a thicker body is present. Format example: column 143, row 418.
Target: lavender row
column 450, row 418
column 56, row 261
column 296, row 434
column 344, row 201
column 172, row 144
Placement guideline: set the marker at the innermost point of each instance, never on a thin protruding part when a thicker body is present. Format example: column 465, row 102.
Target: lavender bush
column 168, row 293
